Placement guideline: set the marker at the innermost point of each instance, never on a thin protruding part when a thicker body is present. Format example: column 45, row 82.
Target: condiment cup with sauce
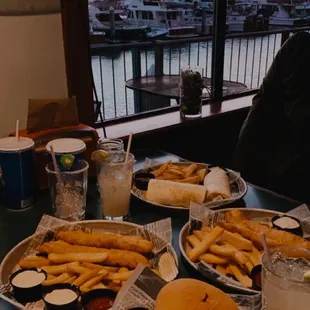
column 99, row 299
column 287, row 223
column 256, row 276
column 142, row 180
column 27, row 284
column 62, row 296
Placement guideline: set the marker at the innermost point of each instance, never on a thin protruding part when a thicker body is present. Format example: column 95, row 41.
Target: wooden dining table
column 17, row 225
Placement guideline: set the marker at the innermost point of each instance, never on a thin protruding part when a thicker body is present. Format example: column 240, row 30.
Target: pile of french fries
column 183, row 173
column 229, row 253
column 89, row 267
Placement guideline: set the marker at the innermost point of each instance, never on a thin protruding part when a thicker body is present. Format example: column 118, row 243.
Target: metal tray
column 238, row 190
column 210, row 272
column 12, row 258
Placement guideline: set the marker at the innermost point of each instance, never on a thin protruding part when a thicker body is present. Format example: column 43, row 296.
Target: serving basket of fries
column 93, row 254
column 225, row 185
column 225, row 245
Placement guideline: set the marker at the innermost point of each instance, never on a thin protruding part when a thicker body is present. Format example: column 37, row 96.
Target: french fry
column 206, row 229
column 60, row 279
column 248, row 266
column 123, row 276
column 202, row 173
column 161, row 169
column 77, row 257
column 59, row 268
column 192, row 240
column 176, row 172
column 239, row 242
column 123, row 269
column 93, row 281
column 34, row 262
column 50, row 276
column 240, row 258
column 78, row 269
column 240, row 275
column 214, row 259
column 114, row 287
column 188, row 248
column 221, row 269
column 204, row 245
column 228, row 271
column 199, row 234
column 110, row 269
column 192, row 180
column 251, row 258
column 189, row 170
column 118, row 282
column 71, row 280
column 256, row 255
column 169, row 176
column 99, row 286
column 103, row 271
column 85, row 277
column 222, row 250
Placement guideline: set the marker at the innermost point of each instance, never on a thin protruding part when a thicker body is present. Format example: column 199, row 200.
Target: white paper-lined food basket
column 200, row 216
column 237, row 185
column 144, row 285
column 160, row 233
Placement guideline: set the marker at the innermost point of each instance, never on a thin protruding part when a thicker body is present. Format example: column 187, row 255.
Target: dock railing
column 247, row 59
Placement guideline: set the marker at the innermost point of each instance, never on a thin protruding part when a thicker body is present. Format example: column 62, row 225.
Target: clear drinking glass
column 114, row 180
column 191, row 86
column 69, row 201
column 111, row 145
column 284, row 287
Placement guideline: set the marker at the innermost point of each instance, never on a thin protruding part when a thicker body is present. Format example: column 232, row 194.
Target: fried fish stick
column 34, row 262
column 120, row 258
column 105, row 240
column 77, row 257
column 205, row 243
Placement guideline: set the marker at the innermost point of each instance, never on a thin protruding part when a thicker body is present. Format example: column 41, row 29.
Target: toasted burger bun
column 190, row 294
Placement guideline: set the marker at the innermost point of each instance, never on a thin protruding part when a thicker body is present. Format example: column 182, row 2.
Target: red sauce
column 100, row 303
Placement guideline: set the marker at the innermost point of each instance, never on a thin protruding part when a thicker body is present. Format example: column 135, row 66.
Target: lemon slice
column 307, row 275
column 100, row 155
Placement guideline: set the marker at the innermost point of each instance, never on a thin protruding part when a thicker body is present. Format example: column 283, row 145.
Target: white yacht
column 178, row 17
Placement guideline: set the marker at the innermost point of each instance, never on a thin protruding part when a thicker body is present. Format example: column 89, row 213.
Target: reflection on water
column 246, row 61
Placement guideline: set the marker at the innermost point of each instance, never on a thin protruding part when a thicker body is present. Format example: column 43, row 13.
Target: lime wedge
column 307, row 275
column 67, row 161
column 100, row 155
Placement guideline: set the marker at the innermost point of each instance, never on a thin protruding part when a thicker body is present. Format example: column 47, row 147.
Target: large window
column 157, row 43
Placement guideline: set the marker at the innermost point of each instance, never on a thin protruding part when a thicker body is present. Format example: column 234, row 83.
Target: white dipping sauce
column 60, row 296
column 28, row 278
column 286, row 222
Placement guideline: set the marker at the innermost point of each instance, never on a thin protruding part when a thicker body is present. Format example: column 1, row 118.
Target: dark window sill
column 172, row 119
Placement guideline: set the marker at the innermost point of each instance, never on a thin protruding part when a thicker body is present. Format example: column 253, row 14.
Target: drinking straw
column 128, row 147
column 56, row 168
column 266, row 249
column 17, row 130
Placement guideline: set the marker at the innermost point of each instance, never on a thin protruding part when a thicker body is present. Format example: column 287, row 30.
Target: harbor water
column 246, row 61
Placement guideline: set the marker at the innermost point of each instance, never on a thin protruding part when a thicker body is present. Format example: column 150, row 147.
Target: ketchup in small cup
column 100, row 299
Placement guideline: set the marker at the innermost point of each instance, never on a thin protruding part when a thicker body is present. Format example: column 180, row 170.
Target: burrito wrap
column 175, row 194
column 217, row 184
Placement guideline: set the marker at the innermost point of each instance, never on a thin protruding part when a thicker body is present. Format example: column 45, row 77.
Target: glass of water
column 69, row 199
column 283, row 286
column 114, row 180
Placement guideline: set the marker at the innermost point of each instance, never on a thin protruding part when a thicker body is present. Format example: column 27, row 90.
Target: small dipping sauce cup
column 62, row 296
column 100, row 299
column 27, row 284
column 287, row 223
column 142, row 180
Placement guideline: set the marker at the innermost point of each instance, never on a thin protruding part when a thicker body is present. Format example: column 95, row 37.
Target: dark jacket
column 274, row 143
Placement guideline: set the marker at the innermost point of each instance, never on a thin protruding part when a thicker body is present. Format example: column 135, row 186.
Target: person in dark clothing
column 273, row 150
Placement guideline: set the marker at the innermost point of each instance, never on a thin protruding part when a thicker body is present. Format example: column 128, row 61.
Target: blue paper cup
column 18, row 172
column 66, row 146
